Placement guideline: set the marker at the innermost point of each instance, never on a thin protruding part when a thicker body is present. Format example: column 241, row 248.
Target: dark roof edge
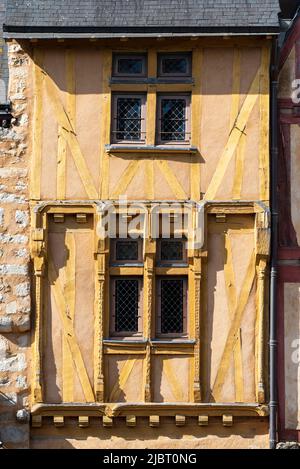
column 49, row 32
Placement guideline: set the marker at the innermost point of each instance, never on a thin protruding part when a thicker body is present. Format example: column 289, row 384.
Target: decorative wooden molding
column 107, row 421
column 154, row 421
column 58, row 218
column 102, row 273
column 153, row 410
column 130, row 420
column 220, row 217
column 180, row 420
column 81, row 218
column 203, row 420
column 149, row 261
column 38, row 249
column 260, row 341
column 58, row 421
column 197, row 273
column 150, row 347
column 83, row 421
column 227, row 420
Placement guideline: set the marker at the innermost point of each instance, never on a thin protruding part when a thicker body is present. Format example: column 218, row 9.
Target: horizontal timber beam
column 147, row 409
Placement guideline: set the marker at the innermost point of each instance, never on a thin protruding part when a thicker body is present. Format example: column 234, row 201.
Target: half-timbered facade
column 166, row 334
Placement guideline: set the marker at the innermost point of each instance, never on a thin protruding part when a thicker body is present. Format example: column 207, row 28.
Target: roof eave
column 46, row 32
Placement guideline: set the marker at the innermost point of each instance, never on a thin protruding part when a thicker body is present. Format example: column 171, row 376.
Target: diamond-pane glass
column 172, row 298
column 127, row 251
column 171, row 251
column 130, row 66
column 173, row 121
column 126, row 304
column 129, row 118
column 174, row 65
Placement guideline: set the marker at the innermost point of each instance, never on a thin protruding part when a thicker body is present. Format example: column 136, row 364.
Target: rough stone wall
column 14, row 258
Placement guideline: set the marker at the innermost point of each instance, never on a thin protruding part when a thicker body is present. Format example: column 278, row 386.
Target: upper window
column 128, row 118
column 172, row 251
column 173, row 120
column 126, row 251
column 174, row 65
column 129, row 65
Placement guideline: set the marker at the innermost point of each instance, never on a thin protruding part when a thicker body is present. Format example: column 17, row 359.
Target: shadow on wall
column 89, row 66
column 246, row 433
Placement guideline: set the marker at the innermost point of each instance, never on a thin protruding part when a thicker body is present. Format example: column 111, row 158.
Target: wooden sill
column 172, row 270
column 152, row 81
column 121, row 270
column 139, row 409
column 150, row 149
column 119, row 342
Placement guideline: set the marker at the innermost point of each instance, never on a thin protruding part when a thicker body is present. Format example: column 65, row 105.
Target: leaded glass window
column 130, row 66
column 127, row 251
column 129, row 118
column 173, row 125
column 126, row 306
column 174, row 65
column 172, row 306
column 171, row 250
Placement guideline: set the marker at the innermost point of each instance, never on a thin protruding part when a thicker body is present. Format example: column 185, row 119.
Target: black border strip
column 136, row 30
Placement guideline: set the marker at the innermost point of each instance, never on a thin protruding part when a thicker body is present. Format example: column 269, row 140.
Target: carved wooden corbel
column 101, row 255
column 38, row 253
column 262, row 246
column 149, row 265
